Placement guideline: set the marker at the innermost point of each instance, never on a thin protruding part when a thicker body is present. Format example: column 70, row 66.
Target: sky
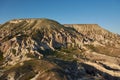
column 105, row 13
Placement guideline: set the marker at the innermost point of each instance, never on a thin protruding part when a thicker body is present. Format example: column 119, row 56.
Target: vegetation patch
column 1, row 55
column 13, row 51
column 28, row 70
column 67, row 53
column 92, row 47
column 106, row 50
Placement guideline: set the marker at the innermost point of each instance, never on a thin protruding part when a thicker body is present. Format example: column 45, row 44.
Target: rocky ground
column 43, row 49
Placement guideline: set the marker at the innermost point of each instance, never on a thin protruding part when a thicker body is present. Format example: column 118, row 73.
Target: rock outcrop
column 23, row 37
column 94, row 31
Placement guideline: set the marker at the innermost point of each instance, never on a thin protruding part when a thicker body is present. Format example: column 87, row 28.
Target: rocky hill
column 94, row 31
column 103, row 39
column 43, row 49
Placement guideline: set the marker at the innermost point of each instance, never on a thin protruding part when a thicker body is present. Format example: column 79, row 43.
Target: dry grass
column 106, row 50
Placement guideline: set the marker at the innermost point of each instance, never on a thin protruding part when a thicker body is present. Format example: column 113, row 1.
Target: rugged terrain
column 43, row 49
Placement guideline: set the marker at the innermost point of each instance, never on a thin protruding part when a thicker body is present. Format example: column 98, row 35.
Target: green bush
column 1, row 55
column 13, row 51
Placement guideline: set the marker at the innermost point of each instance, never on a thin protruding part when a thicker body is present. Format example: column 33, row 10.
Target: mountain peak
column 32, row 25
column 28, row 20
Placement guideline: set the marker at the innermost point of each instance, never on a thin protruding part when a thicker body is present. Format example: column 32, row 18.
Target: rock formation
column 43, row 49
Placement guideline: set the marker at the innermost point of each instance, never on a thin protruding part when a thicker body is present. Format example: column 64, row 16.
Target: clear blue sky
column 106, row 13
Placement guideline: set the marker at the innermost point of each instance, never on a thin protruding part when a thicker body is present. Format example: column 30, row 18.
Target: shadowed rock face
column 43, row 49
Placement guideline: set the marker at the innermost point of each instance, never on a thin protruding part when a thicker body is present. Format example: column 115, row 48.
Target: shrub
column 13, row 51
column 1, row 55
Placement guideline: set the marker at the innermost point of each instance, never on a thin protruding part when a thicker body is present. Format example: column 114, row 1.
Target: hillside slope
column 43, row 49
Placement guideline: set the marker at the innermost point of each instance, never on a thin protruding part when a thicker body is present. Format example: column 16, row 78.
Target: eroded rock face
column 95, row 32
column 75, row 51
column 24, row 37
